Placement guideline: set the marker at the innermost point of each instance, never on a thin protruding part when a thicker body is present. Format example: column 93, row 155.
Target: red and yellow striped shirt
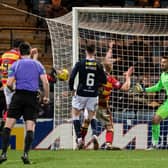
column 7, row 59
column 106, row 90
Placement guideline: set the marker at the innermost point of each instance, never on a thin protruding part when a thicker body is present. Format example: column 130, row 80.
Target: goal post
column 140, row 39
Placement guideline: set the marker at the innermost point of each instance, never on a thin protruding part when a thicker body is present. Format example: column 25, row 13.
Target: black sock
column 2, row 125
column 77, row 127
column 5, row 139
column 28, row 141
column 93, row 123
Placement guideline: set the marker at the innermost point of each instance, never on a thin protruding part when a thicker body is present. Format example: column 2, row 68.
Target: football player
column 91, row 76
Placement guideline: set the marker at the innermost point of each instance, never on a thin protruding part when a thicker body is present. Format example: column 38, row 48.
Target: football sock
column 155, row 133
column 77, row 127
column 5, row 139
column 109, row 136
column 93, row 126
column 28, row 141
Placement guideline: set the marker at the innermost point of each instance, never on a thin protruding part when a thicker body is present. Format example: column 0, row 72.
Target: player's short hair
column 25, row 48
column 90, row 48
column 16, row 43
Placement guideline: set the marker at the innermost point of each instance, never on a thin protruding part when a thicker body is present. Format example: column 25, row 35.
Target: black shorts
column 2, row 103
column 24, row 103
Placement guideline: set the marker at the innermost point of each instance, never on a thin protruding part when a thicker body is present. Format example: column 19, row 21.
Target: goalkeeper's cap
column 63, row 75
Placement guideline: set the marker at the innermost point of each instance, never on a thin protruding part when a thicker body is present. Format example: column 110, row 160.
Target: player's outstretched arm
column 127, row 83
column 139, row 88
column 155, row 88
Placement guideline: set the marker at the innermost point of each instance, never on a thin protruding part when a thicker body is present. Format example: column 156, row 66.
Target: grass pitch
column 90, row 159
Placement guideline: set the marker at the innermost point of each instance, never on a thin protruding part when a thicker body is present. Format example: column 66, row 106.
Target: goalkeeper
column 162, row 111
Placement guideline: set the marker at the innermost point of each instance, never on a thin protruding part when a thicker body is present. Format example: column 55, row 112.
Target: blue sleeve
column 74, row 72
column 12, row 70
column 41, row 69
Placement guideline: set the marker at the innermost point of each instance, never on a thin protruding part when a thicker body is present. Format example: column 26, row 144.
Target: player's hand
column 129, row 72
column 34, row 53
column 46, row 100
column 111, row 44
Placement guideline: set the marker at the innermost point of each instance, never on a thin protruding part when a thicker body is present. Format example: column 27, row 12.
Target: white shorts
column 8, row 96
column 81, row 103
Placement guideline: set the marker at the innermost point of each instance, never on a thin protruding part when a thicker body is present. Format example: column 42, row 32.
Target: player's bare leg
column 84, row 128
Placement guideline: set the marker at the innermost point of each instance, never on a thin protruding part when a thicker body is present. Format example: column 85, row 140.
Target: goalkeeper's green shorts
column 162, row 111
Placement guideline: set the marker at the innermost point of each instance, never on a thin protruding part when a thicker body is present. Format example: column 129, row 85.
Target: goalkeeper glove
column 138, row 88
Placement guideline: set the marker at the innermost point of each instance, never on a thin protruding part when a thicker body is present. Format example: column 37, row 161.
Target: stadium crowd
column 55, row 8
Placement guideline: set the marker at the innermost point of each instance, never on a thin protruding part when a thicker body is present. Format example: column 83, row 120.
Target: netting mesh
column 140, row 39
column 61, row 37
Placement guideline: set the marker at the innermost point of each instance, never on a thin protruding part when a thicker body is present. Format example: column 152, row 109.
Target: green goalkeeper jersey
column 162, row 84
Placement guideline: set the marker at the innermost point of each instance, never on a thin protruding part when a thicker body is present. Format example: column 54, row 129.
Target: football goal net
column 139, row 38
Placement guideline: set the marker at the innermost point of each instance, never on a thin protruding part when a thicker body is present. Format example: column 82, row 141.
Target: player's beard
column 164, row 69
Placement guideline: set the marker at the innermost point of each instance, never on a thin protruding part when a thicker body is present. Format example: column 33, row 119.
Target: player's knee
column 156, row 119
column 86, row 122
column 75, row 112
column 92, row 115
column 109, row 127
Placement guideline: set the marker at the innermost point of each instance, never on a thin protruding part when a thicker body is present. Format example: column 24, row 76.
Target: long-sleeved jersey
column 161, row 84
column 91, row 76
column 7, row 59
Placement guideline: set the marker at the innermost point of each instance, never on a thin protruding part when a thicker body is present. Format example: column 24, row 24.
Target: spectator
column 142, row 3
column 55, row 10
column 156, row 4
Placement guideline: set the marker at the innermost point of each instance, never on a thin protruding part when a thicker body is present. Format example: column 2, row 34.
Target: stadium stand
column 14, row 25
